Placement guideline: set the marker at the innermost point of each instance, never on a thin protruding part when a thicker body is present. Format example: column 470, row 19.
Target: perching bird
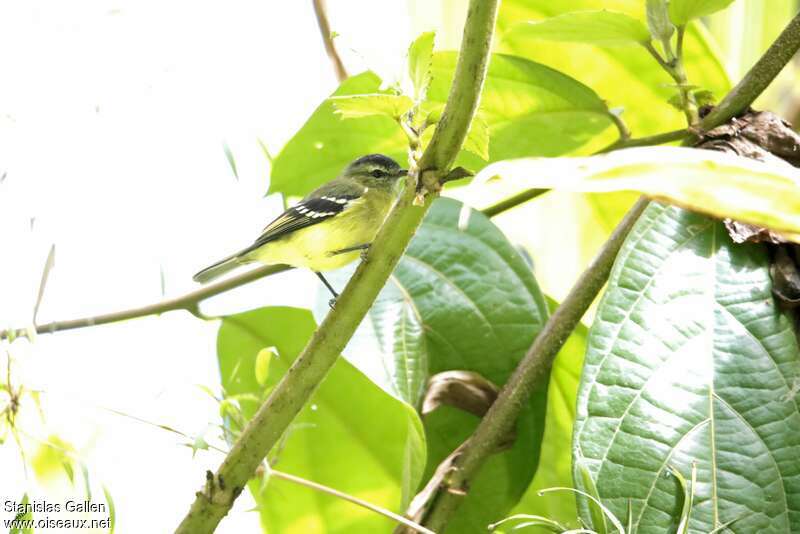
column 330, row 227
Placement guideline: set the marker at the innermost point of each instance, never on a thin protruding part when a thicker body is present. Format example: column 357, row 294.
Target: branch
column 327, row 39
column 188, row 302
column 288, row 397
column 531, row 373
column 534, row 369
column 758, row 77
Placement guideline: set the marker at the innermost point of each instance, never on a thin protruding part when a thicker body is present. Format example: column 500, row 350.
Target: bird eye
column 378, row 173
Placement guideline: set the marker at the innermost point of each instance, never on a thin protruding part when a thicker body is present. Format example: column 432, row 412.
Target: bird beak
column 402, row 172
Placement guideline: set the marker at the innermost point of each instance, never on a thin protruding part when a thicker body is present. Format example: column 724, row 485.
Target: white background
column 112, row 120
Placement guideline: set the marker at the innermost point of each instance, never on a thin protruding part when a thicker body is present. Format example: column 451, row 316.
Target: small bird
column 329, row 228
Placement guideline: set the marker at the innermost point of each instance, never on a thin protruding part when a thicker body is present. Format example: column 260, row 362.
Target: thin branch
column 758, row 77
column 296, row 386
column 188, row 302
column 531, row 373
column 349, row 498
column 327, row 39
column 513, row 201
column 619, row 123
column 658, row 139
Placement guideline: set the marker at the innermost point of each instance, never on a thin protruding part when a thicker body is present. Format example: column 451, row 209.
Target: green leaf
column 658, row 20
column 326, row 144
column 25, row 516
column 419, row 64
column 357, row 106
column 112, row 510
column 715, row 183
column 477, row 140
column 625, row 76
column 465, row 291
column 263, row 360
column 231, row 160
column 682, row 11
column 556, row 459
column 351, row 435
column 606, row 28
column 529, row 109
column 690, row 360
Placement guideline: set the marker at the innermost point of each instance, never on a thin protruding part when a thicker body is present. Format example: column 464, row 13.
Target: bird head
column 375, row 170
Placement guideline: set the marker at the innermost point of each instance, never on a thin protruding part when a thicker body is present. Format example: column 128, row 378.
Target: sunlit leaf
column 626, row 77
column 263, row 361
column 112, row 511
column 24, row 516
column 350, row 435
column 529, row 109
column 419, row 64
column 356, row 106
column 715, row 183
column 682, row 11
column 658, row 20
column 607, row 28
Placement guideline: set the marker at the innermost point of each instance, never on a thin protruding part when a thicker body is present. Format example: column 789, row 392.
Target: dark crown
column 376, row 160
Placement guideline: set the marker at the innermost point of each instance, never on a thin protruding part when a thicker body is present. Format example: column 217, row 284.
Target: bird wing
column 307, row 212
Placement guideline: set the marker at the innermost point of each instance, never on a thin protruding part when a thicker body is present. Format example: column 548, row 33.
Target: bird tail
column 218, row 269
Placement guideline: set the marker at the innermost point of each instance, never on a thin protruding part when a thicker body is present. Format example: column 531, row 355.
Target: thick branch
column 297, row 385
column 327, row 39
column 758, row 77
column 532, row 372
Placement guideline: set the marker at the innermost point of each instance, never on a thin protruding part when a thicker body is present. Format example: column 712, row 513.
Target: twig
column 513, row 201
column 658, row 139
column 186, row 302
column 533, row 371
column 327, row 39
column 296, row 386
column 757, row 78
column 350, row 498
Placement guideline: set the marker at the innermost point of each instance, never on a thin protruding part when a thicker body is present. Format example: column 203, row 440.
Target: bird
column 329, row 228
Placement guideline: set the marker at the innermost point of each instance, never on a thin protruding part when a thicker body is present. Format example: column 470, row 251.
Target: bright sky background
column 112, row 121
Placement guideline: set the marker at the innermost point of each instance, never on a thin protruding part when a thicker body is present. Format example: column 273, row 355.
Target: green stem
column 757, row 78
column 513, row 201
column 188, row 302
column 531, row 373
column 321, row 352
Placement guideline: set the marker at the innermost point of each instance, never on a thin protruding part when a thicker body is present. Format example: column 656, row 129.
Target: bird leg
column 331, row 302
column 363, row 248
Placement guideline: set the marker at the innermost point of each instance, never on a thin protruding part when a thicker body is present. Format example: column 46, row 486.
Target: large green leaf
column 715, row 183
column 351, row 435
column 473, row 296
column 529, row 109
column 625, row 77
column 599, row 27
column 556, row 458
column 689, row 361
column 682, row 11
